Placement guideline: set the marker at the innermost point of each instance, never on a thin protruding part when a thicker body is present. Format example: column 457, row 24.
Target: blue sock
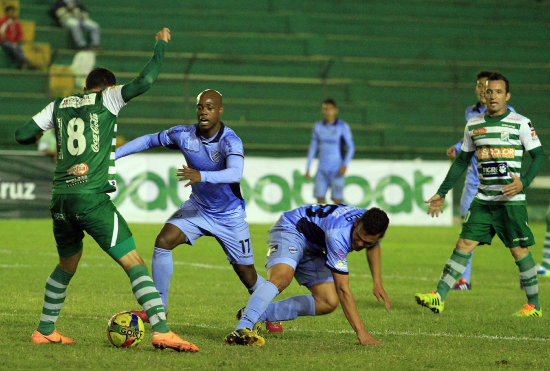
column 259, row 281
column 288, row 309
column 162, row 267
column 468, row 272
column 257, row 304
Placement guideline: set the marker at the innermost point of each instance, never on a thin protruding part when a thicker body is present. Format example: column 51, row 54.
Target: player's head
column 369, row 229
column 209, row 110
column 10, row 11
column 329, row 110
column 497, row 93
column 99, row 78
column 481, row 79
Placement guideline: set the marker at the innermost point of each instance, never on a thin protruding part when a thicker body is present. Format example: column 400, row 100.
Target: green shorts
column 94, row 213
column 510, row 222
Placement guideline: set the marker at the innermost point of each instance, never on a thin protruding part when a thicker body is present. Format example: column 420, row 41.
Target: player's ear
column 221, row 110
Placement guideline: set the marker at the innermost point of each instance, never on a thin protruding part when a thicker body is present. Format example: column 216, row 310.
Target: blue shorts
column 286, row 245
column 232, row 233
column 468, row 193
column 325, row 179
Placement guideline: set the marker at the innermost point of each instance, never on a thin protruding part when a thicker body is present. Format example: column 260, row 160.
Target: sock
column 289, row 309
column 162, row 268
column 452, row 272
column 546, row 248
column 467, row 275
column 54, row 296
column 257, row 304
column 259, row 281
column 528, row 276
column 148, row 296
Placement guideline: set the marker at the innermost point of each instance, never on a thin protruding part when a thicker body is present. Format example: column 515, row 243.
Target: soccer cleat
column 171, row 340
column 543, row 271
column 275, row 326
column 462, row 284
column 529, row 311
column 245, row 336
column 141, row 314
column 53, row 338
column 431, row 300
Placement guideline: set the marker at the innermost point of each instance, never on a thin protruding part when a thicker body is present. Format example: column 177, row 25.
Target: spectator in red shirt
column 11, row 35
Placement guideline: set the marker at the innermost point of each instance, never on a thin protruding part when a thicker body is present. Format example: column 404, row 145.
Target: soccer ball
column 125, row 330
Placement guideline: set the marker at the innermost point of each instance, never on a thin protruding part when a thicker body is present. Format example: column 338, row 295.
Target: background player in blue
column 215, row 159
column 472, row 177
column 333, row 140
column 311, row 243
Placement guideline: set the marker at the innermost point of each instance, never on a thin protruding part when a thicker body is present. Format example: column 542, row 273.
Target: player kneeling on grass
column 85, row 128
column 500, row 138
column 311, row 243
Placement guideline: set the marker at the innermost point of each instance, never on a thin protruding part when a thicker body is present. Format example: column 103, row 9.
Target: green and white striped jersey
column 85, row 129
column 500, row 143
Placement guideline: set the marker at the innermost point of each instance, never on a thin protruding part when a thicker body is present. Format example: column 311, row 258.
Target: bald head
column 210, row 94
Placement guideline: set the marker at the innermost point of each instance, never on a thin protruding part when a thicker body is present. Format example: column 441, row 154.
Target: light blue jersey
column 314, row 240
column 330, row 140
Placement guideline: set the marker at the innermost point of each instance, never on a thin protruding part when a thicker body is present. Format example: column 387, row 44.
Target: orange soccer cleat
column 53, row 338
column 172, row 341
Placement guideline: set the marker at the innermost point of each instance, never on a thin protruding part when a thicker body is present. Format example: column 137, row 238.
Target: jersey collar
column 216, row 138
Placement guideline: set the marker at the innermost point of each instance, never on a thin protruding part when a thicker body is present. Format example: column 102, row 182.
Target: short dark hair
column 330, row 101
column 8, row 8
column 484, row 73
column 497, row 76
column 100, row 78
column 375, row 221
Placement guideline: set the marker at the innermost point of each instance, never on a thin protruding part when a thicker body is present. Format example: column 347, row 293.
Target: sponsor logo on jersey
column 78, row 169
column 76, row 181
column 505, row 136
column 94, row 126
column 495, row 153
column 292, row 250
column 479, row 131
column 494, row 169
column 272, row 249
column 533, row 132
column 77, row 102
column 341, row 264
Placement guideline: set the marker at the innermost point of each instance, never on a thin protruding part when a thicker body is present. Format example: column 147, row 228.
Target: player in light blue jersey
column 472, row 177
column 215, row 158
column 311, row 244
column 333, row 141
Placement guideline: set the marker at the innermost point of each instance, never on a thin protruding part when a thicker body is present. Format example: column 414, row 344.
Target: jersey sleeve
column 468, row 144
column 171, row 138
column 337, row 252
column 44, row 119
column 232, row 145
column 348, row 139
column 112, row 99
column 528, row 136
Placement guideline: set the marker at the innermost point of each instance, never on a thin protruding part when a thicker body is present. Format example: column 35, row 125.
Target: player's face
column 496, row 97
column 360, row 239
column 209, row 111
column 480, row 89
column 329, row 112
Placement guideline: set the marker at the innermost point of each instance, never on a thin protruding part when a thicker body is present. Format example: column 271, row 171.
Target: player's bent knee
column 169, row 237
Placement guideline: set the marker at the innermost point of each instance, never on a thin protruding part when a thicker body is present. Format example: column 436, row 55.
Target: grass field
column 476, row 330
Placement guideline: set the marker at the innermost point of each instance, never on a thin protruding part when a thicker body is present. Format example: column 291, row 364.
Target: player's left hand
column 382, row 297
column 513, row 188
column 194, row 176
column 342, row 170
column 436, row 205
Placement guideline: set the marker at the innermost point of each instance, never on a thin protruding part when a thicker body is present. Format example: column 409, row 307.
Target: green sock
column 54, row 296
column 546, row 248
column 452, row 272
column 528, row 276
column 148, row 296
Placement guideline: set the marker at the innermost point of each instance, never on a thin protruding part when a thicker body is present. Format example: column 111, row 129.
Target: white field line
column 418, row 333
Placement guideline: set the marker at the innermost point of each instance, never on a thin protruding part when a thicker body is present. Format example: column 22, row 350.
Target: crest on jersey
column 215, row 155
column 505, row 136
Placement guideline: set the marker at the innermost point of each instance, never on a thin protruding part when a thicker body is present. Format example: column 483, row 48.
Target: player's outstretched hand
column 194, row 176
column 382, row 297
column 367, row 339
column 436, row 205
column 513, row 188
column 163, row 34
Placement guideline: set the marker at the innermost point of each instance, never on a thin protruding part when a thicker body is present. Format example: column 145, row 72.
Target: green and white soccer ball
column 125, row 330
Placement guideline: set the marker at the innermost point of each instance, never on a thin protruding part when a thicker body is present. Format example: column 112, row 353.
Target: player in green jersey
column 500, row 138
column 85, row 129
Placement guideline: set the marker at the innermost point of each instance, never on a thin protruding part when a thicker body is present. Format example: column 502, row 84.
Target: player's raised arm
column 32, row 130
column 341, row 281
column 150, row 72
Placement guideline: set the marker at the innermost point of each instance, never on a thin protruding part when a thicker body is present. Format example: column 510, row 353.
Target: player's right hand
column 367, row 339
column 163, row 34
column 436, row 205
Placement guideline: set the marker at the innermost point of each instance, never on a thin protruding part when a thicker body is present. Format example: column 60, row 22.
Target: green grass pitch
column 476, row 330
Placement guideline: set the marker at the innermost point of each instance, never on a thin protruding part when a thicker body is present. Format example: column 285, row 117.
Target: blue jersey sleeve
column 231, row 174
column 313, row 145
column 232, row 145
column 138, row 145
column 348, row 139
column 337, row 252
